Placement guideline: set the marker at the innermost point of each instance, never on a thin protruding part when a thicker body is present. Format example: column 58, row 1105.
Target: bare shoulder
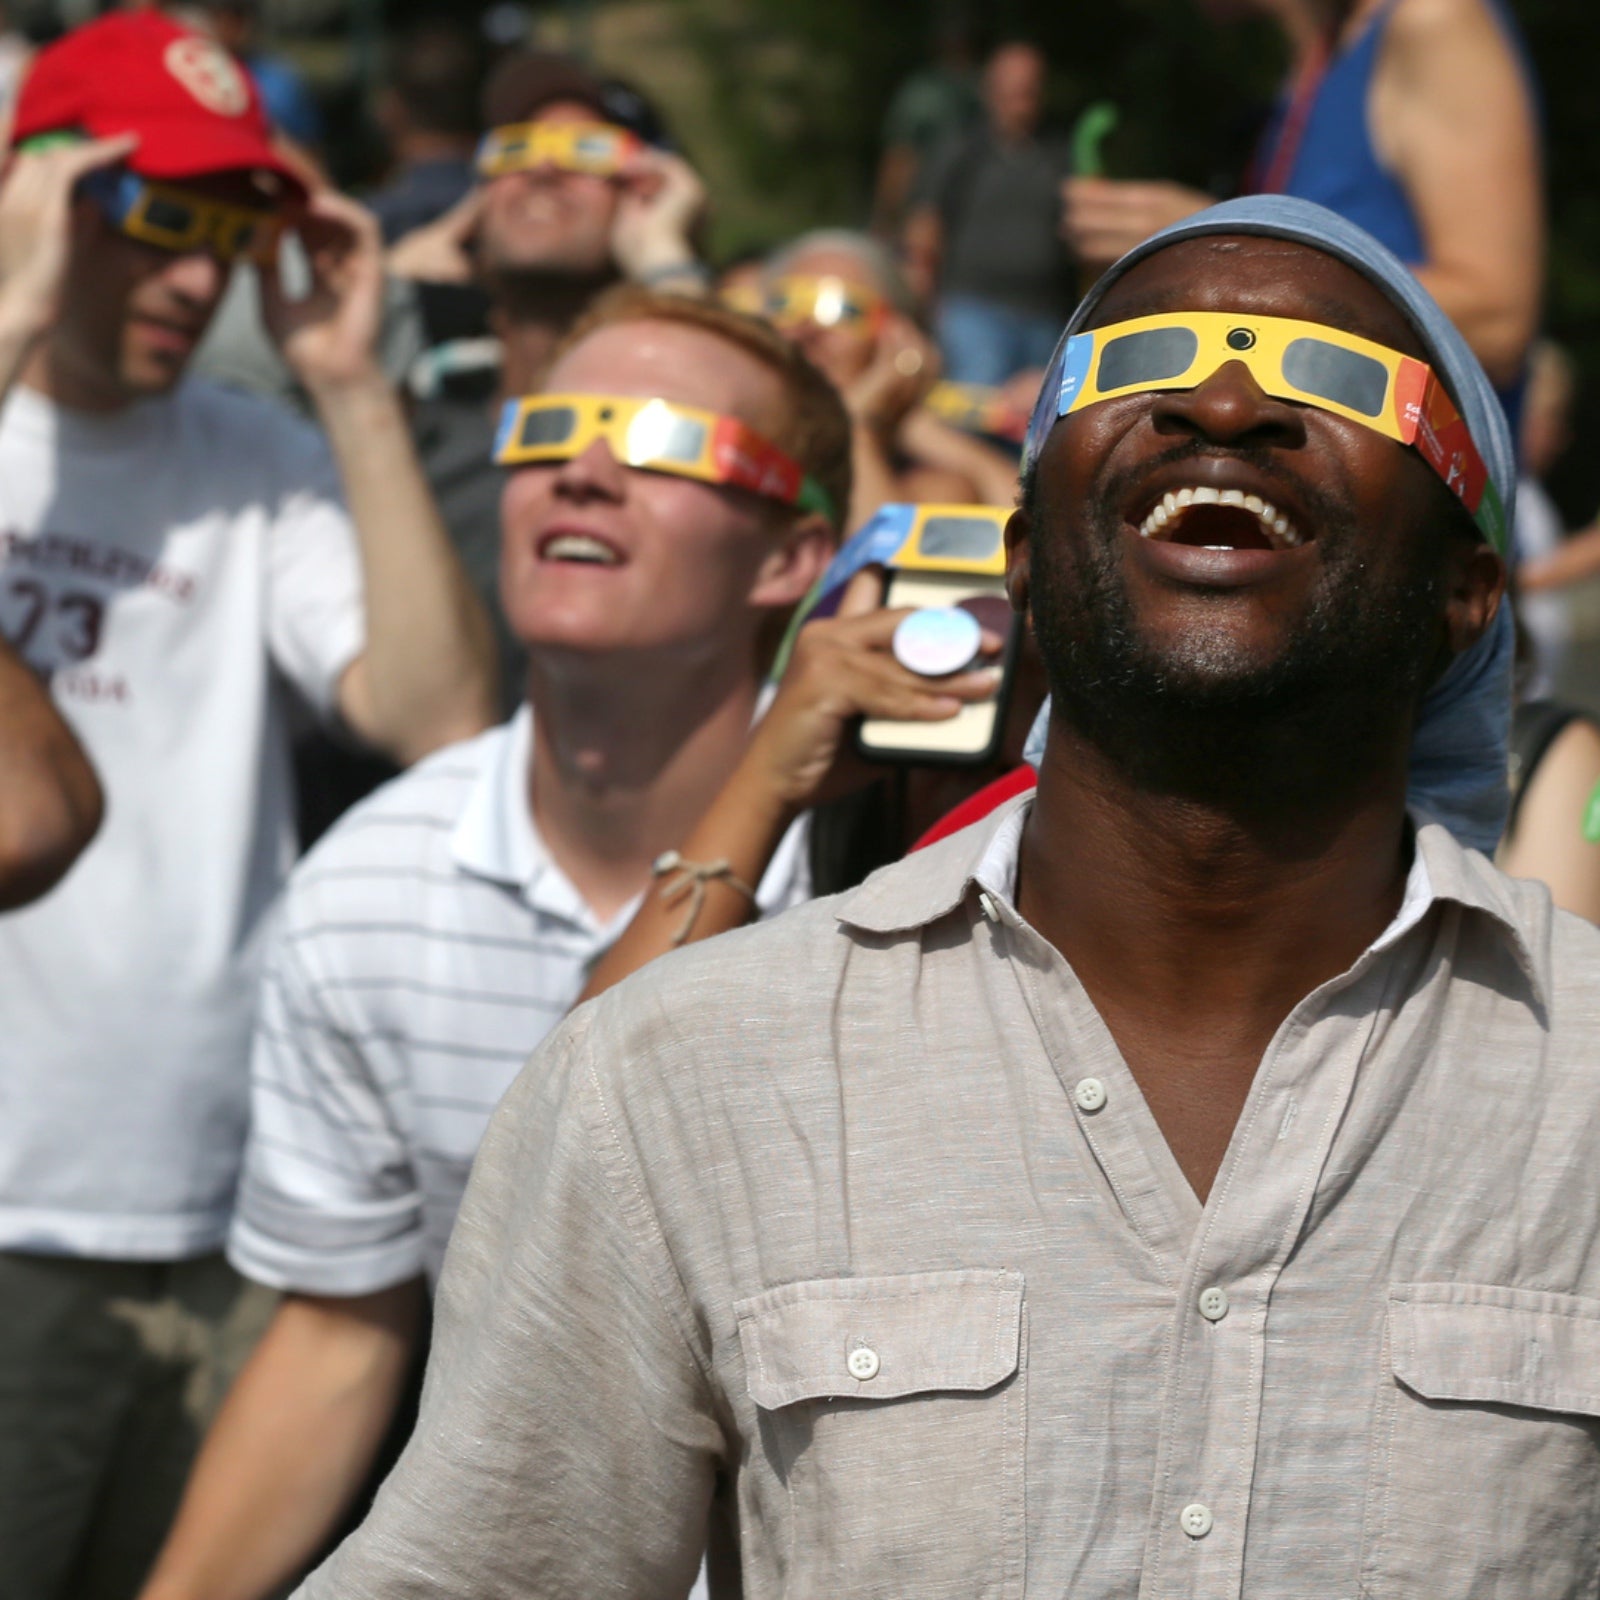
column 1455, row 30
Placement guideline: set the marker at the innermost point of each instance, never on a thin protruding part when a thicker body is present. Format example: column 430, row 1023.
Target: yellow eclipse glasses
column 600, row 149
column 656, row 436
column 1305, row 362
column 180, row 220
column 827, row 301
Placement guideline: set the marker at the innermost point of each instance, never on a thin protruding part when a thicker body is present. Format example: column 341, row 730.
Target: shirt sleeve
column 566, row 1443
column 329, row 1201
column 316, row 622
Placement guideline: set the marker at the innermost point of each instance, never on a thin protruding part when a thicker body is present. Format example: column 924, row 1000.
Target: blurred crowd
column 419, row 612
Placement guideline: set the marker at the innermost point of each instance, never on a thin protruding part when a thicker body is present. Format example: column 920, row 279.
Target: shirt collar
column 933, row 882
column 495, row 836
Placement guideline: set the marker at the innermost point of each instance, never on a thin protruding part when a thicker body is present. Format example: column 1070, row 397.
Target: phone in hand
column 951, row 558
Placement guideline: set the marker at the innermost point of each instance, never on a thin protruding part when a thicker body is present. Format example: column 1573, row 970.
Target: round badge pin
column 937, row 641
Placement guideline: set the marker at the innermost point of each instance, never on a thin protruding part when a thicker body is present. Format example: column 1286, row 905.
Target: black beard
column 1323, row 716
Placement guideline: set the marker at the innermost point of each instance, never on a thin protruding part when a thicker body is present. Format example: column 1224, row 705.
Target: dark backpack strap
column 1535, row 726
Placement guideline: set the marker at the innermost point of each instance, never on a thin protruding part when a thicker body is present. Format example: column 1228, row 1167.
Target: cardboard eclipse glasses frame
column 179, row 220
column 601, row 149
column 656, row 436
column 1306, row 362
column 904, row 536
column 826, row 300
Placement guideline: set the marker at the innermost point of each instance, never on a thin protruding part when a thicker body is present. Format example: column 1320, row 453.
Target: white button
column 1213, row 1304
column 1090, row 1094
column 990, row 909
column 1195, row 1520
column 863, row 1363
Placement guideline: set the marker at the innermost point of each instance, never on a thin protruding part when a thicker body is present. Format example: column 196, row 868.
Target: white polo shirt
column 170, row 569
column 427, row 945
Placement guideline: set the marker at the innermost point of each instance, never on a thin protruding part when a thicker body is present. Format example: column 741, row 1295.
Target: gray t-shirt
column 1000, row 206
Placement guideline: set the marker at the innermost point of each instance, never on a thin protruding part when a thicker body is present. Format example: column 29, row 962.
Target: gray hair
column 878, row 263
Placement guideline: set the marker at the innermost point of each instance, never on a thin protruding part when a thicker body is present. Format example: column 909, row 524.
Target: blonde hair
column 816, row 431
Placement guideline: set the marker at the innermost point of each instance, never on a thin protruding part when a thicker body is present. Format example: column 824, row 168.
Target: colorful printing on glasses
column 599, row 148
column 180, row 220
column 658, row 435
column 1306, row 362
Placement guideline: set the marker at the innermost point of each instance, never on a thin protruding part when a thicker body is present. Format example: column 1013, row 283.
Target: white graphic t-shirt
column 170, row 567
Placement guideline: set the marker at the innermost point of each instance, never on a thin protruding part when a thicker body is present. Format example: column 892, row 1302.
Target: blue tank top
column 1336, row 165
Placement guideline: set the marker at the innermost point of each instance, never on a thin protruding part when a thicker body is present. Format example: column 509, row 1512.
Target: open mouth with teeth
column 580, row 548
column 1220, row 519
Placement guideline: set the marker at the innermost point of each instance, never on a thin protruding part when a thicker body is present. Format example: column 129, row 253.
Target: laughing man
column 1185, row 1182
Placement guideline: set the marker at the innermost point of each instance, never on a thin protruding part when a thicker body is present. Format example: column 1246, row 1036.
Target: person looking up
column 503, row 275
column 444, row 926
column 1128, row 1190
column 841, row 298
column 1413, row 118
column 982, row 237
column 174, row 557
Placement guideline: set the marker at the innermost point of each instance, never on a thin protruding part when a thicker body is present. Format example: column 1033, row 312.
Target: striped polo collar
column 495, row 836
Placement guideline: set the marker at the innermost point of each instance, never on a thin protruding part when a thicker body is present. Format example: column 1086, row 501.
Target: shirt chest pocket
column 894, row 1410
column 1486, row 1465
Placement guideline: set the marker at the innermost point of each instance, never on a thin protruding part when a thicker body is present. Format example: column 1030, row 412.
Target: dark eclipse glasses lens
column 549, row 425
column 1313, row 366
column 168, row 216
column 959, row 538
column 1152, row 356
column 1346, row 377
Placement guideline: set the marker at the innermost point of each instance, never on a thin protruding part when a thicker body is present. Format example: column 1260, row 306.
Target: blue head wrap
column 1459, row 751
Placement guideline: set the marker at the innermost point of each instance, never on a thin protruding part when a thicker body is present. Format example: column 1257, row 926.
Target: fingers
column 847, row 663
column 460, row 222
column 332, row 220
column 863, row 594
column 888, row 690
column 79, row 160
column 41, row 178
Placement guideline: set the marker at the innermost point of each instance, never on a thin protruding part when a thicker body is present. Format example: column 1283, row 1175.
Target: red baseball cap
column 194, row 108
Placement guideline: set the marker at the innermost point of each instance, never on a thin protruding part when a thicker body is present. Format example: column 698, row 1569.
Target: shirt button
column 1090, row 1094
column 863, row 1363
column 1213, row 1304
column 1195, row 1520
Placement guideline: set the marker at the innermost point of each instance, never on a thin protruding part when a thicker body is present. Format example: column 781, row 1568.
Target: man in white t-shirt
column 445, row 925
column 172, row 556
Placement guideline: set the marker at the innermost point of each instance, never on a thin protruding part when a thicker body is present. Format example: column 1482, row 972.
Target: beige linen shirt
column 852, row 1233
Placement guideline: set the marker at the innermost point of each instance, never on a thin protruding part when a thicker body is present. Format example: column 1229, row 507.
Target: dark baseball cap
column 528, row 80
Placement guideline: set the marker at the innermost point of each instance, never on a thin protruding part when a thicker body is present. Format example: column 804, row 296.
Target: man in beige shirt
column 1185, row 1183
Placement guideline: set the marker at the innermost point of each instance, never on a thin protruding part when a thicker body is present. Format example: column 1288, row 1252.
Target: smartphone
column 953, row 556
